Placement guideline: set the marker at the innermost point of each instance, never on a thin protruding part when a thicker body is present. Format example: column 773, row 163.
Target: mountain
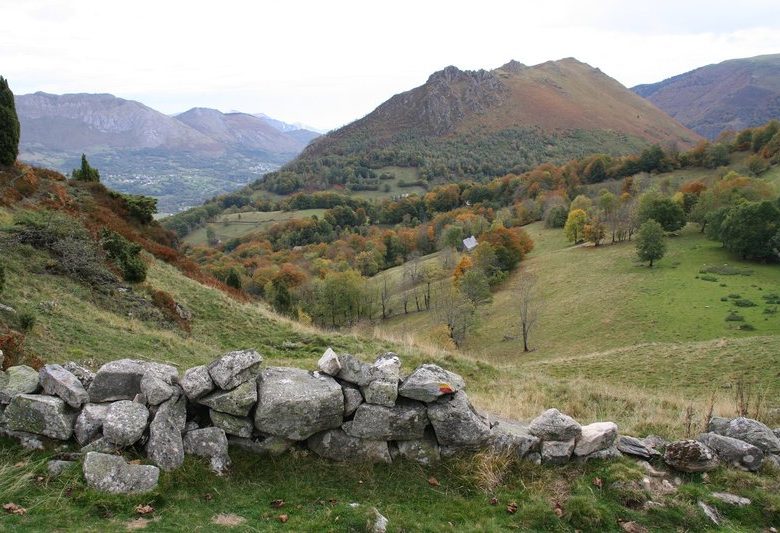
column 286, row 126
column 732, row 95
column 180, row 160
column 479, row 124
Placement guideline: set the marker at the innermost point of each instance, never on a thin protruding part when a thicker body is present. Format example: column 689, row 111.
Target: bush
column 708, row 278
column 556, row 217
column 26, row 320
column 744, row 303
column 734, row 317
column 126, row 255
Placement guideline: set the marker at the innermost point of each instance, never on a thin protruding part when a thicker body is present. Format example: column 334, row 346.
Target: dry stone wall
column 347, row 410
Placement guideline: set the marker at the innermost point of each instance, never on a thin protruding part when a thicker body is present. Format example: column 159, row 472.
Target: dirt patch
column 230, row 520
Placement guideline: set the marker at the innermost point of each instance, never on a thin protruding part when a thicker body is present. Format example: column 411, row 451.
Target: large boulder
column 42, row 415
column 235, row 368
column 514, row 438
column 56, row 381
column 237, row 402
column 456, row 423
column 20, row 379
column 121, row 380
column 429, row 382
column 197, row 382
column 636, row 447
column 732, row 451
column 555, row 426
column 111, row 473
column 90, row 422
column 240, row 426
column 295, row 404
column 596, row 437
column 690, row 456
column 405, row 421
column 755, row 433
column 165, row 446
column 555, row 452
column 209, row 442
column 336, row 445
column 125, row 422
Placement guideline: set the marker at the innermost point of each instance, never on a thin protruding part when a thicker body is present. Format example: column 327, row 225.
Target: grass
column 407, row 174
column 236, row 225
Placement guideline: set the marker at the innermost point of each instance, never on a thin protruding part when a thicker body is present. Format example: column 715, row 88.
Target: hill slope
column 732, row 95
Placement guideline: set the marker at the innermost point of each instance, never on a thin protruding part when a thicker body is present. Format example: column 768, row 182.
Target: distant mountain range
column 182, row 159
column 480, row 124
column 732, row 95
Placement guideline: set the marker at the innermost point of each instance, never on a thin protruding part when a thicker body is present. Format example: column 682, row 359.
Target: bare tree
column 384, row 297
column 456, row 312
column 529, row 302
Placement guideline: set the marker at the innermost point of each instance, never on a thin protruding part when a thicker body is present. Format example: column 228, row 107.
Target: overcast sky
column 328, row 62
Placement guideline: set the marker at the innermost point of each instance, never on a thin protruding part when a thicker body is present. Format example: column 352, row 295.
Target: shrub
column 725, row 270
column 735, row 296
column 126, row 255
column 734, row 317
column 26, row 320
column 556, row 217
column 708, row 278
column 746, row 327
column 744, row 303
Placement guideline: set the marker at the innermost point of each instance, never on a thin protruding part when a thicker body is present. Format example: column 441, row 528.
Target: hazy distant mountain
column 286, row 126
column 732, row 95
column 182, row 160
column 480, row 124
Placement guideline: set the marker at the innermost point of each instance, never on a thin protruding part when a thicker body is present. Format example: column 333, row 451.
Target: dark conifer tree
column 9, row 125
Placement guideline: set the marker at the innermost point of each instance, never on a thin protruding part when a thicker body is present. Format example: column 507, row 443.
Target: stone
column 336, row 445
column 718, row 424
column 534, row 457
column 329, row 363
column 272, row 446
column 56, row 467
column 556, row 426
column 405, row 421
column 101, row 445
column 20, row 379
column 82, row 373
column 40, row 414
column 555, row 452
column 655, row 442
column 457, row 423
column 607, row 454
column 514, row 438
column 424, row 451
column 90, row 422
column 596, row 437
column 381, row 392
column 235, row 368
column 56, row 381
column 776, row 431
column 295, row 404
column 240, row 426
column 197, row 382
column 125, row 422
column 428, row 382
column 237, row 402
column 111, row 473
column 733, row 451
column 165, row 446
column 28, row 441
column 690, row 456
column 352, row 398
column 755, row 433
column 157, row 388
column 354, row 370
column 636, row 447
column 710, row 512
column 121, row 380
column 386, row 367
column 731, row 499
column 209, row 442
column 377, row 523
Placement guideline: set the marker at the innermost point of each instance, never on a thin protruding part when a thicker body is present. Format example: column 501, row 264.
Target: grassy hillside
column 239, row 224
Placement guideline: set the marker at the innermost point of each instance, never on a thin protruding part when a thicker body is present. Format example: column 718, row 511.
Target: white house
column 470, row 243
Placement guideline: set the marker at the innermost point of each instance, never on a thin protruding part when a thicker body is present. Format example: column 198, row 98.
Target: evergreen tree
column 233, row 279
column 86, row 172
column 650, row 245
column 9, row 125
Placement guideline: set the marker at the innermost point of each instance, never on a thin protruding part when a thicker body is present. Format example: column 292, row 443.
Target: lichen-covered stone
column 755, row 433
column 457, row 423
column 556, row 452
column 329, row 363
column 405, row 421
column 209, row 442
column 240, row 426
column 296, row 404
column 235, row 368
column 82, row 373
column 90, row 422
column 56, row 381
column 336, row 445
column 352, row 398
column 40, row 414
column 165, row 447
column 110, row 473
column 424, row 451
column 354, row 370
column 514, row 438
column 596, row 437
column 125, row 422
column 237, row 402
column 121, row 380
column 20, row 379
column 381, row 392
column 56, row 467
column 197, row 382
column 690, row 456
column 428, row 382
column 157, row 388
column 733, row 451
column 555, row 426
column 636, row 447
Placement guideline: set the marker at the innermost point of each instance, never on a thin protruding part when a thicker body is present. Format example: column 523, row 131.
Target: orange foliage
column 463, row 265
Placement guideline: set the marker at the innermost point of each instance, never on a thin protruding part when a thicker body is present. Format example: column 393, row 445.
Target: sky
column 327, row 62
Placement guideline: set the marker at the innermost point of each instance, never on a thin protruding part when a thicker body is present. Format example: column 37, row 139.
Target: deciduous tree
column 650, row 245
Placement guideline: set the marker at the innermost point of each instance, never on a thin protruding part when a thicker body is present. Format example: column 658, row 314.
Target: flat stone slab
column 111, row 473
column 636, row 447
column 121, row 380
column 405, row 421
column 237, row 402
column 235, row 368
column 125, row 422
column 755, row 433
column 336, row 445
column 295, row 404
column 428, row 382
column 56, row 381
column 40, row 414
